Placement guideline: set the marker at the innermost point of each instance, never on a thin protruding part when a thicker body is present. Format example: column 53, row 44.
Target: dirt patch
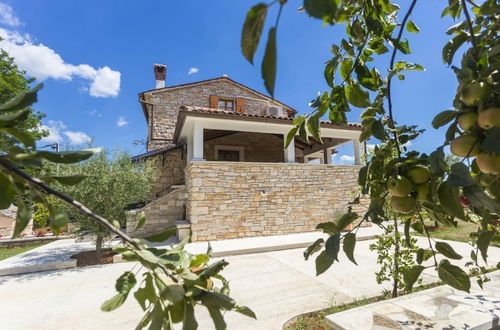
column 89, row 258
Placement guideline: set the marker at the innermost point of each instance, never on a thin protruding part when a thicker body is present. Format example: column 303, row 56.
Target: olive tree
column 410, row 184
column 110, row 182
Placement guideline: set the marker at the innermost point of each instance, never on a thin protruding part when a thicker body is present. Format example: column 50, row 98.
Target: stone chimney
column 160, row 75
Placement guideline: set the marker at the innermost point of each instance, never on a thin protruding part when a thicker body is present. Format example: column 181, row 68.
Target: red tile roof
column 197, row 109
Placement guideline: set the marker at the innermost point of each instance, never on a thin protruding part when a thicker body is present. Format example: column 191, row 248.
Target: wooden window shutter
column 240, row 105
column 214, row 102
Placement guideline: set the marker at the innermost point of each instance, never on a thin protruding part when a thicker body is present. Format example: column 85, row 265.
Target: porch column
column 306, row 159
column 289, row 151
column 328, row 155
column 189, row 157
column 358, row 153
column 197, row 141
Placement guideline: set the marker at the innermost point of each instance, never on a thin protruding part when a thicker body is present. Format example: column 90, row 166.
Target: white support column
column 357, row 152
column 189, row 149
column 289, row 151
column 306, row 159
column 197, row 141
column 329, row 155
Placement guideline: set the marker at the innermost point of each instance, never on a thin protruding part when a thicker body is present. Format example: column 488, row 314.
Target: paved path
column 276, row 285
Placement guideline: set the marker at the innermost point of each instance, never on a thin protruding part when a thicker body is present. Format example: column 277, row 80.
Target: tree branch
column 471, row 30
column 428, row 236
column 39, row 184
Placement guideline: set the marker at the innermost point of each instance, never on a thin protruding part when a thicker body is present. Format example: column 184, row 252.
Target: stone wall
column 238, row 199
column 166, row 104
column 257, row 147
column 171, row 171
column 160, row 214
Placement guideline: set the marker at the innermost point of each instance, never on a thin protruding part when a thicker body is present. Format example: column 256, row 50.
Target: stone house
column 225, row 170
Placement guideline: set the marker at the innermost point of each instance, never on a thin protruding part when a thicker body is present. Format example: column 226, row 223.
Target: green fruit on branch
column 489, row 118
column 467, row 120
column 488, row 162
column 419, row 174
column 475, row 91
column 403, row 204
column 399, row 186
column 423, row 191
column 465, row 146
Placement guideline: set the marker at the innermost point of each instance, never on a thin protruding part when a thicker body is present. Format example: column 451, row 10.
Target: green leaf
column 345, row 220
column 349, row 245
column 69, row 180
column 141, row 221
column 146, row 293
column 269, row 62
column 411, row 275
column 320, row 8
column 483, row 242
column 423, row 255
column 418, row 227
column 189, row 322
column 449, row 200
column 443, row 118
column 125, row 283
column 328, row 228
column 23, row 217
column 452, row 46
column 245, row 311
column 217, row 318
column 403, row 46
column 313, row 248
column 113, row 303
column 357, row 96
column 67, row 157
column 490, row 142
column 314, row 128
column 332, row 246
column 378, row 130
column 459, row 176
column 446, row 250
column 453, row 276
column 323, row 262
column 7, row 192
column 162, row 236
column 407, row 232
column 329, row 72
column 345, row 68
column 252, row 30
column 412, row 27
column 59, row 219
column 8, row 118
column 22, row 100
column 478, row 198
column 21, row 136
column 215, row 299
column 214, row 268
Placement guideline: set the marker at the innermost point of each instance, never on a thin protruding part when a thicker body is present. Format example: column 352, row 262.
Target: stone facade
column 160, row 214
column 256, row 147
column 164, row 105
column 240, row 199
column 171, row 167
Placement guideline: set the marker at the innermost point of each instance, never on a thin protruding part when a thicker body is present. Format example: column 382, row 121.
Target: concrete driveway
column 276, row 285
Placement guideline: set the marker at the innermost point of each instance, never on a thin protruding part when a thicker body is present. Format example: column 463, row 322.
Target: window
column 229, row 153
column 226, row 104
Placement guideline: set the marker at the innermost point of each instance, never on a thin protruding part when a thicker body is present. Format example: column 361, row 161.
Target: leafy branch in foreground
column 172, row 280
column 408, row 187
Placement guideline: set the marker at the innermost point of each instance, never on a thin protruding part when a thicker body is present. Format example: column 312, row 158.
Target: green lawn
column 7, row 253
column 459, row 233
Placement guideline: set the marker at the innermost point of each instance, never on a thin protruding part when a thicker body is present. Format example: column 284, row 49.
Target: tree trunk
column 98, row 247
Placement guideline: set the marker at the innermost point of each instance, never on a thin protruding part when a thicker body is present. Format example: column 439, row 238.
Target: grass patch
column 10, row 252
column 460, row 233
column 316, row 320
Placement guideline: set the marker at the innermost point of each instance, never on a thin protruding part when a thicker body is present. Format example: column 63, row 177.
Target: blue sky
column 96, row 56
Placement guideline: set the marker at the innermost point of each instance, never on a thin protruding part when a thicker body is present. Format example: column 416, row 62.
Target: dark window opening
column 229, row 155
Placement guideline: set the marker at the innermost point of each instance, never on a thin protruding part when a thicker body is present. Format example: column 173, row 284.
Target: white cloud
column 43, row 62
column 193, row 70
column 94, row 113
column 7, row 16
column 408, row 144
column 77, row 137
column 54, row 128
column 347, row 158
column 121, row 121
column 57, row 129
